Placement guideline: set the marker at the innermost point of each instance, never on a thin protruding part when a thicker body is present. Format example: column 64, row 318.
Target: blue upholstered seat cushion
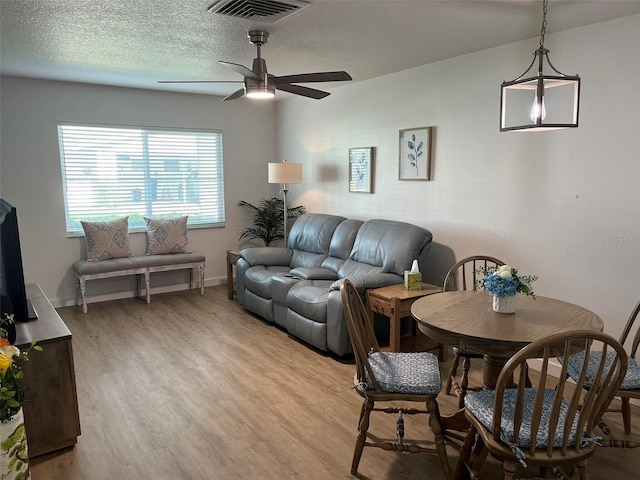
column 631, row 379
column 416, row 372
column 480, row 404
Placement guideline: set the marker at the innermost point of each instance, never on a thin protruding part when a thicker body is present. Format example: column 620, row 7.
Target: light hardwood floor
column 194, row 387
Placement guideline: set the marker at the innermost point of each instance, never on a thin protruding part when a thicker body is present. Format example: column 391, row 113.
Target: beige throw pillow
column 107, row 240
column 167, row 235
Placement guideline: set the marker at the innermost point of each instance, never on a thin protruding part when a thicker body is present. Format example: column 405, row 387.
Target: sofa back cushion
column 312, row 232
column 341, row 244
column 300, row 258
column 389, row 245
column 351, row 268
column 310, row 238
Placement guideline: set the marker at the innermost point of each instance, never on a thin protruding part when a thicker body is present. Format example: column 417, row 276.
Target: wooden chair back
column 361, row 331
column 627, row 330
column 464, row 274
column 587, row 410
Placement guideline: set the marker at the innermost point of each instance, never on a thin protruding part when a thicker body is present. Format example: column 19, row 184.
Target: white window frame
column 111, row 171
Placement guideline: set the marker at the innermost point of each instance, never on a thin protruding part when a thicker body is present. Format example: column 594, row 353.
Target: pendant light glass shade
column 542, row 101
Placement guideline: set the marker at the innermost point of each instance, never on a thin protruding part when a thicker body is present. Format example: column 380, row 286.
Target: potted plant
column 268, row 219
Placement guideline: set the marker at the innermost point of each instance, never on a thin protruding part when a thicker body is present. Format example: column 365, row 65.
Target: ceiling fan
column 258, row 83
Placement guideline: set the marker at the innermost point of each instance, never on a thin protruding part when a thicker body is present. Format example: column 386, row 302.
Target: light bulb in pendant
column 535, row 112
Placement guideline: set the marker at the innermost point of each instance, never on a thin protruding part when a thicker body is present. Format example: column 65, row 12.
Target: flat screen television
column 11, row 273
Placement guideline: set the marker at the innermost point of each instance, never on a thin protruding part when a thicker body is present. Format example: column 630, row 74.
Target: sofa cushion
column 390, row 245
column 343, row 238
column 309, row 299
column 351, row 268
column 257, row 279
column 266, row 255
column 300, row 258
column 312, row 232
column 341, row 244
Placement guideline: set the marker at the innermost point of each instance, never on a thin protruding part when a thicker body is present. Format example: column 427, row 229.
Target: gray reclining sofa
column 298, row 287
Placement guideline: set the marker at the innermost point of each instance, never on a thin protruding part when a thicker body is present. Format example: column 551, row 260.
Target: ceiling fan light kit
column 542, row 101
column 260, row 84
column 259, row 91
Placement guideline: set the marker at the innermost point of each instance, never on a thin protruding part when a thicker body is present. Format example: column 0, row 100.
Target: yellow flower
column 7, row 352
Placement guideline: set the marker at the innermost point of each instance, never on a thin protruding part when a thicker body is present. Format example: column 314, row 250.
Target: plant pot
column 14, row 458
column 504, row 304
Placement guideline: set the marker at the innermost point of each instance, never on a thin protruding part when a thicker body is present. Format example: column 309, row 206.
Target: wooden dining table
column 465, row 319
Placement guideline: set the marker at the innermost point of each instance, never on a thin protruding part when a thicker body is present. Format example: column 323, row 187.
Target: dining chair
column 545, row 426
column 630, row 387
column 391, row 377
column 463, row 276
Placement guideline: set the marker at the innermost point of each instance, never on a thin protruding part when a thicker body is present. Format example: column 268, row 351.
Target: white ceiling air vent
column 268, row 11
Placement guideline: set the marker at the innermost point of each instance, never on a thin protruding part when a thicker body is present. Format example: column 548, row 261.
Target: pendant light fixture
column 543, row 101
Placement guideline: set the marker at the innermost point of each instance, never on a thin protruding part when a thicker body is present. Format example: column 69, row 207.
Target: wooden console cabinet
column 51, row 417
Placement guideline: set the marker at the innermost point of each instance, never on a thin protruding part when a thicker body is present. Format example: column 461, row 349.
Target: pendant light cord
column 545, row 4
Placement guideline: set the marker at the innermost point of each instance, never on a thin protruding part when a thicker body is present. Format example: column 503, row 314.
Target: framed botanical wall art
column 361, row 169
column 415, row 154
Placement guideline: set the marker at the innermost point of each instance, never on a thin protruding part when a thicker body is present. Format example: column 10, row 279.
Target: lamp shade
column 285, row 172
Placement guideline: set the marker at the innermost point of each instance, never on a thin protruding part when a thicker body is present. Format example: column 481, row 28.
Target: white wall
column 564, row 205
column 30, row 176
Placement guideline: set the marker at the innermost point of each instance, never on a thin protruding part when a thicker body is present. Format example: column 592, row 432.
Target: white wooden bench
column 139, row 266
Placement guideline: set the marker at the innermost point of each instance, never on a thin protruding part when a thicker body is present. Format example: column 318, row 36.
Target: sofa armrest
column 267, row 256
column 313, row 273
column 365, row 282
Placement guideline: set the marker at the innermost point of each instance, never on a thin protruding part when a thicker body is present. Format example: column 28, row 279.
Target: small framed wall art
column 361, row 169
column 415, row 154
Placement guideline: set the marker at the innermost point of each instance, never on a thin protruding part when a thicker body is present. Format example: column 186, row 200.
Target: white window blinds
column 110, row 172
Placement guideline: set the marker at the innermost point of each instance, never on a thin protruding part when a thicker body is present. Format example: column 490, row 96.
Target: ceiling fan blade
column 234, row 95
column 200, row 81
column 241, row 69
column 313, row 77
column 304, row 91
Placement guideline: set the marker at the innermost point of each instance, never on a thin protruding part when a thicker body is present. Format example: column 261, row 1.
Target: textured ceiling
column 135, row 43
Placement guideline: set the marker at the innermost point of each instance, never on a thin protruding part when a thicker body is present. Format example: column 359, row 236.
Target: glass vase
column 504, row 304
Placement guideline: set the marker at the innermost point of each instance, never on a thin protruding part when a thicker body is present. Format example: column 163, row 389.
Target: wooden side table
column 395, row 302
column 232, row 258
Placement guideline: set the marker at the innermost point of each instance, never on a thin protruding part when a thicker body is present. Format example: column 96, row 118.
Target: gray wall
column 563, row 205
column 30, row 176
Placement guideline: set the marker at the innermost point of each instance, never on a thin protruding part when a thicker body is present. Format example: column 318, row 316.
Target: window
column 110, row 172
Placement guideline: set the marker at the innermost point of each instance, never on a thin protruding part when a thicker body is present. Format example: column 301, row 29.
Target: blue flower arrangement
column 505, row 281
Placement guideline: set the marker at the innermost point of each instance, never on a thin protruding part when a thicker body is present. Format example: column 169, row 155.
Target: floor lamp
column 285, row 173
